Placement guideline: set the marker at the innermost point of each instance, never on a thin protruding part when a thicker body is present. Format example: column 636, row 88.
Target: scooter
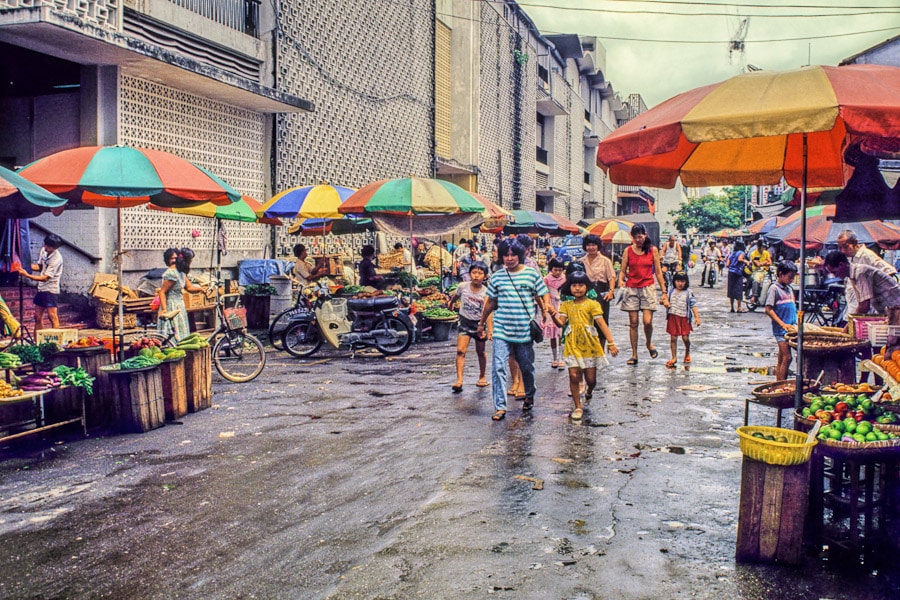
column 377, row 322
column 752, row 302
column 709, row 273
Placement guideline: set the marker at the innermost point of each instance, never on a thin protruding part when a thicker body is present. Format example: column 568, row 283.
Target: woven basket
column 869, row 449
column 761, row 394
column 795, row 451
column 106, row 312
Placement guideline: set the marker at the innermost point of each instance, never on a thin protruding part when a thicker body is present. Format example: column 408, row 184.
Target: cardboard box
column 103, row 292
column 60, row 336
column 195, row 299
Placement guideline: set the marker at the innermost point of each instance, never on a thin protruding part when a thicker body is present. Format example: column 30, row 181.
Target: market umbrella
column 123, row 176
column 313, row 227
column 764, row 225
column 533, row 221
column 495, row 216
column 822, row 231
column 611, row 231
column 311, row 201
column 756, row 128
column 22, row 199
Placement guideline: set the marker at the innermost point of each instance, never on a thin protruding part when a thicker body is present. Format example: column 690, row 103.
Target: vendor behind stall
column 304, row 273
column 874, row 288
column 367, row 274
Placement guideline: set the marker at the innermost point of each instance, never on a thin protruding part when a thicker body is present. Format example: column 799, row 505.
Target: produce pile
column 85, row 342
column 430, row 298
column 849, row 388
column 144, row 343
column 827, row 342
column 75, row 376
column 439, row 314
column 848, row 419
column 135, row 362
column 8, row 391
column 30, row 354
column 39, row 381
column 195, row 341
column 9, row 361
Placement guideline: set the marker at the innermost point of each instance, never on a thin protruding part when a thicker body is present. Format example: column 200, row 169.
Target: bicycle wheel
column 280, row 324
column 393, row 336
column 302, row 339
column 238, row 356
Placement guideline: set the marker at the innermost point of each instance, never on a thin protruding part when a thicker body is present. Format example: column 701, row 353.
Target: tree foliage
column 712, row 212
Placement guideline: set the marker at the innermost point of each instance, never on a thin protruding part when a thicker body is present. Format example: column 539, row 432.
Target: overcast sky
column 689, row 50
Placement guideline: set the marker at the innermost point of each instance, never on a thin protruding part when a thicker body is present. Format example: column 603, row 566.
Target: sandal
column 653, row 352
column 670, row 364
column 632, row 361
column 588, row 394
column 481, row 383
column 687, row 359
column 498, row 416
column 576, row 414
column 456, row 388
column 528, row 404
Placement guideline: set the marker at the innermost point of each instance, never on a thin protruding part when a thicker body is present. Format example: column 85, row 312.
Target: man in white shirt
column 858, row 254
column 49, row 265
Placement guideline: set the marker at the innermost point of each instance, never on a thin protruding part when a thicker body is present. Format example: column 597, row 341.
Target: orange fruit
column 878, row 359
column 895, row 355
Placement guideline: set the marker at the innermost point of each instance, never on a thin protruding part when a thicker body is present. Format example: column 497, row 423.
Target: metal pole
column 798, row 392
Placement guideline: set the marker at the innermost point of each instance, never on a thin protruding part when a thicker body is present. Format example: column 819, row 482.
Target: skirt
column 678, row 326
column 736, row 286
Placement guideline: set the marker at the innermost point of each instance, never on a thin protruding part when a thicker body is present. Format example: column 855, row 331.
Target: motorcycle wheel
column 302, row 339
column 396, row 339
column 711, row 278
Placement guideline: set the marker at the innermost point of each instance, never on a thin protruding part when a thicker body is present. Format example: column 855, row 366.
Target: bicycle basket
column 335, row 309
column 236, row 317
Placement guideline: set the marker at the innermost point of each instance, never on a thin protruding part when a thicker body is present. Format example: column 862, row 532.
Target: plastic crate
column 879, row 334
column 795, row 451
column 859, row 326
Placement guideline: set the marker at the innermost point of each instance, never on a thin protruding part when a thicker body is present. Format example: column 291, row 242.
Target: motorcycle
column 753, row 301
column 709, row 272
column 377, row 322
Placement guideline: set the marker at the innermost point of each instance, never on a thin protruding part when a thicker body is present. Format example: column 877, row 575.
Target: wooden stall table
column 138, row 404
column 39, row 420
column 198, row 378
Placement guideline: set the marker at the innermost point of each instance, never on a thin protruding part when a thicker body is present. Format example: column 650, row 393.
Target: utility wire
column 868, row 12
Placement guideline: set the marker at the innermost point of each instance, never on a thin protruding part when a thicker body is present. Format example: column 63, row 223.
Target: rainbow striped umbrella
column 243, row 210
column 611, row 231
column 307, row 202
column 412, row 196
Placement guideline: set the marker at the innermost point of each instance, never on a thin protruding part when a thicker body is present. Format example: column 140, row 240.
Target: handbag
column 536, row 331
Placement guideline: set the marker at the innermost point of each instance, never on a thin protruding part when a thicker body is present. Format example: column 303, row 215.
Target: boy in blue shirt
column 782, row 309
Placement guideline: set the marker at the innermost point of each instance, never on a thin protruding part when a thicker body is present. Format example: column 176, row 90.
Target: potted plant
column 255, row 299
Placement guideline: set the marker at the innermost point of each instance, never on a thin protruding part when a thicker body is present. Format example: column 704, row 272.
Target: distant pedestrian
column 782, row 309
column 471, row 295
column 640, row 267
column 737, row 262
column 581, row 318
column 682, row 315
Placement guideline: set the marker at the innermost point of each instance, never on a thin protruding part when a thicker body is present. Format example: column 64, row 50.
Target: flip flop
column 481, row 384
column 576, row 414
column 670, row 364
column 456, row 388
column 631, row 361
column 653, row 352
column 687, row 360
column 498, row 416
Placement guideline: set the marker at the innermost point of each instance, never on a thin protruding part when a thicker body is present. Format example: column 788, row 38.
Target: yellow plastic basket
column 795, row 451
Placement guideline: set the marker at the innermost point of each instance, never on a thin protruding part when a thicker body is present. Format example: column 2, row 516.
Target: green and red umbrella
column 123, row 176
column 822, row 230
column 243, row 210
column 533, row 221
column 22, row 199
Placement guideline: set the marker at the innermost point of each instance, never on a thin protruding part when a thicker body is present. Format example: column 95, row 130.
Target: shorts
column 468, row 327
column 634, row 299
column 780, row 338
column 46, row 299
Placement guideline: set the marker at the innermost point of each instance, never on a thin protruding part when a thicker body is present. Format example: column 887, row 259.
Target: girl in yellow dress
column 580, row 319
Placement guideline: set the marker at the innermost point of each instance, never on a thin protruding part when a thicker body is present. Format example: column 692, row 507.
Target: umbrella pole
column 121, row 335
column 798, row 391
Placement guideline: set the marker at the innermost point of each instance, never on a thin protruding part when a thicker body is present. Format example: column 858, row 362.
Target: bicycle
column 283, row 320
column 237, row 355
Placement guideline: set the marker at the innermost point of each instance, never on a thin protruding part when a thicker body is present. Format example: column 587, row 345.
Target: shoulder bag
column 537, row 333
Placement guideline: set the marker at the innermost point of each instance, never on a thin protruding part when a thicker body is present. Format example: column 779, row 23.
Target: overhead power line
column 655, row 11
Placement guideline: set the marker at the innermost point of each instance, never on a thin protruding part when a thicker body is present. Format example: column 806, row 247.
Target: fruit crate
column 795, row 451
column 859, row 326
column 878, row 334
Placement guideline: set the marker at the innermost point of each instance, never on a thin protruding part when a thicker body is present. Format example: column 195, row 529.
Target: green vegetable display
column 195, row 341
column 9, row 361
column 439, row 313
column 139, row 362
column 76, row 376
column 430, row 281
column 27, row 353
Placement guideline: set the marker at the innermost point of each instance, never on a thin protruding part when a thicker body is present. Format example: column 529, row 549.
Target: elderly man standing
column 858, row 254
column 513, row 292
column 874, row 288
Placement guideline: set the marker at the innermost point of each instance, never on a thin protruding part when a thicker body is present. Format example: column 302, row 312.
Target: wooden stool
column 139, row 404
column 198, row 378
column 174, row 389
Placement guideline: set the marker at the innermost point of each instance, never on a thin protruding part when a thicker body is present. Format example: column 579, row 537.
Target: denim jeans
column 524, row 355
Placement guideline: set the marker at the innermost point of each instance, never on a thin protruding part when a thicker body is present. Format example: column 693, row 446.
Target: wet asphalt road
column 366, row 478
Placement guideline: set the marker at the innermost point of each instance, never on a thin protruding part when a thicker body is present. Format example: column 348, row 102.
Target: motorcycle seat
column 372, row 304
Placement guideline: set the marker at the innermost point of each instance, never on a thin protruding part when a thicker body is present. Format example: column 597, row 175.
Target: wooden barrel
column 174, row 389
column 198, row 378
column 99, row 403
column 139, row 404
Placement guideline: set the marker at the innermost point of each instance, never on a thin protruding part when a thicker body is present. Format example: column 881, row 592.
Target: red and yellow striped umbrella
column 752, row 128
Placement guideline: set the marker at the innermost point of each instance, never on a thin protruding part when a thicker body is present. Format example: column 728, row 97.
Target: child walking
column 681, row 316
column 471, row 295
column 781, row 308
column 554, row 280
column 580, row 319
